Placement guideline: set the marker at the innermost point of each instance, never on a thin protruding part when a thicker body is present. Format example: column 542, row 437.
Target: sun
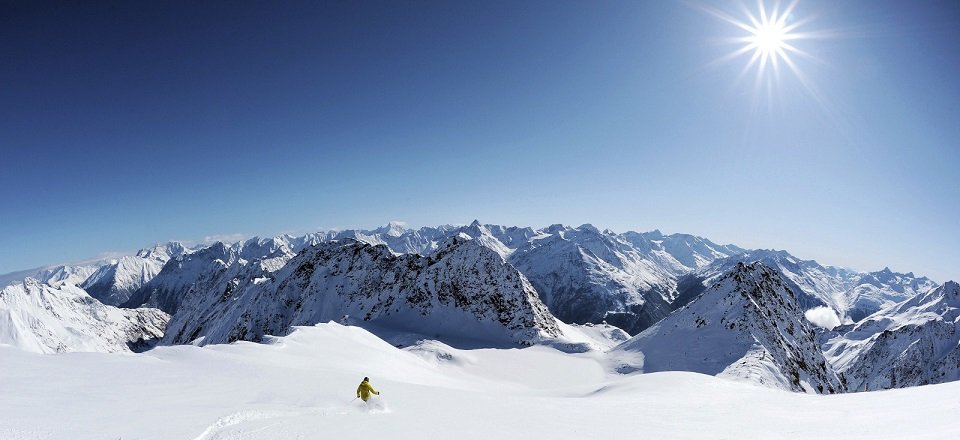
column 767, row 37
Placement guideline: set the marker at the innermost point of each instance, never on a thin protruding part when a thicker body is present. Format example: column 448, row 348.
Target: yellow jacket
column 364, row 390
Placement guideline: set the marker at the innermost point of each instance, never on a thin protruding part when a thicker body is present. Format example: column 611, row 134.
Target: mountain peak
column 163, row 251
column 748, row 326
column 554, row 228
column 589, row 227
column 392, row 229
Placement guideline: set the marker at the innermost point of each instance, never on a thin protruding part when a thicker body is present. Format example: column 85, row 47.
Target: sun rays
column 768, row 40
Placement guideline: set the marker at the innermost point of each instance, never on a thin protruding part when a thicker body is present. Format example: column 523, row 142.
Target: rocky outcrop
column 462, row 291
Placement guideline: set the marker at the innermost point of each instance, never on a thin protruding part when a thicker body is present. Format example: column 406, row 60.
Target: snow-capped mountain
column 585, row 275
column 397, row 238
column 878, row 290
column 679, row 253
column 114, row 283
column 912, row 343
column 68, row 273
column 463, row 291
column 747, row 325
column 849, row 294
column 633, row 279
column 394, row 280
column 60, row 317
column 205, row 268
column 809, row 273
column 824, row 285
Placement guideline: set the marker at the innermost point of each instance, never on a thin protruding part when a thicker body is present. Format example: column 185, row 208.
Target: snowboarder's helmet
column 366, row 379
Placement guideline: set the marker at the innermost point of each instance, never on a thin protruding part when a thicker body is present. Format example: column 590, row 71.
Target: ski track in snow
column 229, row 427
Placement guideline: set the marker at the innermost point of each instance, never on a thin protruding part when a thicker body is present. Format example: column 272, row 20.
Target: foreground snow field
column 301, row 386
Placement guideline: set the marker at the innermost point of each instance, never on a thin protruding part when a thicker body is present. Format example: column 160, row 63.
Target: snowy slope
column 301, row 387
column 463, row 291
column 747, row 325
column 45, row 318
column 114, row 283
column 912, row 343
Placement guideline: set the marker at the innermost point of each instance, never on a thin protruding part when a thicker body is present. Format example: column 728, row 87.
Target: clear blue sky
column 128, row 123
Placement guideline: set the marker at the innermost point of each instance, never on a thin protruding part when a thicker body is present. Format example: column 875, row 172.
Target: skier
column 364, row 390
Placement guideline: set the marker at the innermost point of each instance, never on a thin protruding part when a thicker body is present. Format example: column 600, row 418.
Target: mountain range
column 493, row 286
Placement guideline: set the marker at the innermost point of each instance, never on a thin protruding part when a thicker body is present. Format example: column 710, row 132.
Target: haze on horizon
column 124, row 124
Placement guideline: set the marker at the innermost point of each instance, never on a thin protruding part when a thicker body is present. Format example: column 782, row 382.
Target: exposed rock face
column 463, row 290
column 746, row 325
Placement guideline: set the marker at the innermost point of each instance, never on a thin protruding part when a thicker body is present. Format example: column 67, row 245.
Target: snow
column 60, row 317
column 302, row 386
column 113, row 284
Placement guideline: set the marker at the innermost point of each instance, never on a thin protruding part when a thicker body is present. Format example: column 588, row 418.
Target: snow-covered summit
column 68, row 273
column 392, row 229
column 164, row 251
column 747, row 325
column 114, row 283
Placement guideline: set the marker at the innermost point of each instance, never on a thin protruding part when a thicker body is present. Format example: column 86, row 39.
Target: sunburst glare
column 767, row 42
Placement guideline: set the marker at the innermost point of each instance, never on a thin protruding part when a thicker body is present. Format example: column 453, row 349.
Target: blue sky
column 124, row 124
